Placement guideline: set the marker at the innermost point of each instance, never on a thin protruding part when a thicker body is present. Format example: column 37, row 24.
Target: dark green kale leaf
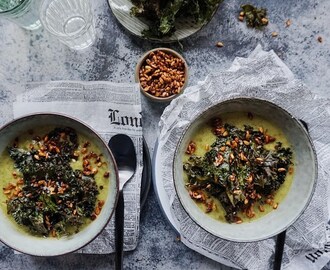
column 54, row 196
column 238, row 170
column 163, row 15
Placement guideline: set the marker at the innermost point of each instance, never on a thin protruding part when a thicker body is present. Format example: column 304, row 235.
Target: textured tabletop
column 27, row 56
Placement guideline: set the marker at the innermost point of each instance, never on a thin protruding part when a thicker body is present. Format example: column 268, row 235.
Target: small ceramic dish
column 162, row 74
column 298, row 194
column 16, row 235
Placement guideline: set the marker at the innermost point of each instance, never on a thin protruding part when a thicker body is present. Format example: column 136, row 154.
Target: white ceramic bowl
column 39, row 246
column 299, row 194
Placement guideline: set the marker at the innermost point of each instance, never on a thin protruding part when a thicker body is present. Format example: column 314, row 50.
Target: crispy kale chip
column 238, row 170
column 54, row 197
column 255, row 17
column 162, row 15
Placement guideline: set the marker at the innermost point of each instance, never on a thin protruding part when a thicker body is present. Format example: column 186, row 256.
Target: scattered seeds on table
column 288, row 22
column 274, row 34
column 219, row 44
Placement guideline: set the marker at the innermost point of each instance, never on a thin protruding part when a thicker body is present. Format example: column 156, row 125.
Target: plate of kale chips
column 164, row 20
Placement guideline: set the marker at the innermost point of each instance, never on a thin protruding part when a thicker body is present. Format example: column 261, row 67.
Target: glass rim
column 69, row 36
column 90, row 22
column 14, row 8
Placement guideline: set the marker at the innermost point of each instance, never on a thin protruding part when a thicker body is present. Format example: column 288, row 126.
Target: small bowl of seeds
column 162, row 74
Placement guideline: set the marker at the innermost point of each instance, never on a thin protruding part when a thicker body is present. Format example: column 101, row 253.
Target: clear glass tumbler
column 71, row 21
column 22, row 12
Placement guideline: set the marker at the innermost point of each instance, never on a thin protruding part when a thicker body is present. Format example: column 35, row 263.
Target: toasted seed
column 191, row 148
column 261, row 208
column 275, row 205
column 249, row 179
column 207, row 147
column 99, row 164
column 223, row 148
column 233, row 144
column 288, row 22
column 257, row 140
column 100, row 203
column 20, row 181
column 247, row 135
column 264, row 21
column 291, row 170
column 232, row 178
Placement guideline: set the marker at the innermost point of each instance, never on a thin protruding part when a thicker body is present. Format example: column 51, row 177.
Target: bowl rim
column 306, row 134
column 116, row 193
column 141, row 61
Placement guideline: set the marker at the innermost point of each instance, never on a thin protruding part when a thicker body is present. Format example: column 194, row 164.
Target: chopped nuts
column 162, row 74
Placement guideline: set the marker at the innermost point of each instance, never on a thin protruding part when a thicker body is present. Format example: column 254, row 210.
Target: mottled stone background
column 35, row 56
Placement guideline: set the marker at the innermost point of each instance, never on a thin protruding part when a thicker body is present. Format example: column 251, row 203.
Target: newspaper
column 261, row 75
column 109, row 108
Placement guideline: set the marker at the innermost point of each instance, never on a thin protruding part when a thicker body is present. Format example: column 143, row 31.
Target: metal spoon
column 122, row 148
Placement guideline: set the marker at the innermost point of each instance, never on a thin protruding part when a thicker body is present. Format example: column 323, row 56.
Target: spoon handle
column 280, row 241
column 119, row 231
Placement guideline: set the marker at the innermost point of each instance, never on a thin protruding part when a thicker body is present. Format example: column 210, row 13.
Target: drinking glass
column 22, row 12
column 71, row 21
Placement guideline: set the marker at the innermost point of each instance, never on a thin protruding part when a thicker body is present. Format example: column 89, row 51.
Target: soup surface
column 238, row 167
column 54, row 181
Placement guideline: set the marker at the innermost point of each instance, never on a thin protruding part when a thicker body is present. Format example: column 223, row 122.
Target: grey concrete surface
column 27, row 56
